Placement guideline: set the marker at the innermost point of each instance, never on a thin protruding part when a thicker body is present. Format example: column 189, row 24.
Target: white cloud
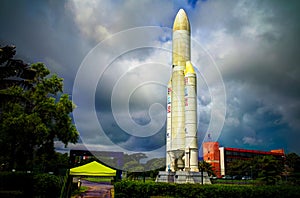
column 88, row 15
column 232, row 122
column 99, row 19
column 252, row 141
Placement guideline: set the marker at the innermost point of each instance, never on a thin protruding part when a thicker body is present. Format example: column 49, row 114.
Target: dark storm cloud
column 140, row 99
column 43, row 31
column 254, row 44
column 255, row 121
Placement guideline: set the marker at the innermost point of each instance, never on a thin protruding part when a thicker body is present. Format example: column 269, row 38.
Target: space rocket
column 181, row 132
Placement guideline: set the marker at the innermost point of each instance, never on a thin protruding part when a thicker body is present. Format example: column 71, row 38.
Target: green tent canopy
column 93, row 169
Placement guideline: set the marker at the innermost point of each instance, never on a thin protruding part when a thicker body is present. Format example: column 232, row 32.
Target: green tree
column 155, row 163
column 292, row 160
column 133, row 166
column 13, row 71
column 206, row 167
column 235, row 167
column 34, row 113
column 242, row 167
column 134, row 157
column 292, row 166
column 270, row 169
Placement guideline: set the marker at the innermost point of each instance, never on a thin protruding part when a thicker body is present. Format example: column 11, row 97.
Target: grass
column 98, row 179
column 78, row 192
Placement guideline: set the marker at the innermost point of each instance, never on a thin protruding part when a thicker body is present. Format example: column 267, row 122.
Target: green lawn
column 81, row 190
column 98, row 179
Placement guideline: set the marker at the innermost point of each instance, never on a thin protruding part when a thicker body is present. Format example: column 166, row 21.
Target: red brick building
column 220, row 157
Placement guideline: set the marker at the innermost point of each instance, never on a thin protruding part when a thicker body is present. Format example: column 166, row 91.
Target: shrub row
column 30, row 185
column 17, row 181
column 132, row 189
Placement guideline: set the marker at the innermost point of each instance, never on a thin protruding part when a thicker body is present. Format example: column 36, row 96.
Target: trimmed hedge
column 132, row 189
column 21, row 184
column 16, row 181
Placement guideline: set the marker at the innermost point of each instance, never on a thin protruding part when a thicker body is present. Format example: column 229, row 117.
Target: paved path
column 96, row 190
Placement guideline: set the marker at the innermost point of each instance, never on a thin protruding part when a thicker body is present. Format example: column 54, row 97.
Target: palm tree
column 206, row 167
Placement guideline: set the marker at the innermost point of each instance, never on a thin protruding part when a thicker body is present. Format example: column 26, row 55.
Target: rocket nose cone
column 181, row 21
column 181, row 11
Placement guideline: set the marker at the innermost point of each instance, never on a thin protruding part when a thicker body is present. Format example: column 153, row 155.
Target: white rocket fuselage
column 182, row 148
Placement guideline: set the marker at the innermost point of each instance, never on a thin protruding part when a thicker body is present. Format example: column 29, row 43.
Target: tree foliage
column 293, row 161
column 206, row 167
column 292, row 168
column 243, row 167
column 135, row 169
column 132, row 162
column 266, row 168
column 34, row 112
column 14, row 71
column 155, row 163
column 134, row 157
column 270, row 169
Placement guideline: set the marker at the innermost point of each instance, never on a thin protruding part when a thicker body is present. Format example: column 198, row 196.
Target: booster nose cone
column 181, row 21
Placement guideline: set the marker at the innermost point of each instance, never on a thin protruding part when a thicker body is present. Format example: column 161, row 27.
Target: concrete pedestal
column 165, row 176
column 182, row 177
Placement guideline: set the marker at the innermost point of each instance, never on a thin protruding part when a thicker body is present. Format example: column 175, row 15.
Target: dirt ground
column 96, row 190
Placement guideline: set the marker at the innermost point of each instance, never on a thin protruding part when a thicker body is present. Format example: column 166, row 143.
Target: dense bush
column 133, row 189
column 46, row 185
column 29, row 185
column 16, row 182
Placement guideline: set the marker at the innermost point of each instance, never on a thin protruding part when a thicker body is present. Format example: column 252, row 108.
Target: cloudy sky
column 115, row 58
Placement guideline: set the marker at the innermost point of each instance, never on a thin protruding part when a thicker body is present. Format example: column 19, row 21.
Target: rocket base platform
column 181, row 177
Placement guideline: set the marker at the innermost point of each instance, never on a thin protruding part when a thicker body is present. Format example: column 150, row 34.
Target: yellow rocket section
column 191, row 144
column 181, row 21
column 189, row 69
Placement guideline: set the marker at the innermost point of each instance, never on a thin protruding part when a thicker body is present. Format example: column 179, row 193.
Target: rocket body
column 181, row 145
